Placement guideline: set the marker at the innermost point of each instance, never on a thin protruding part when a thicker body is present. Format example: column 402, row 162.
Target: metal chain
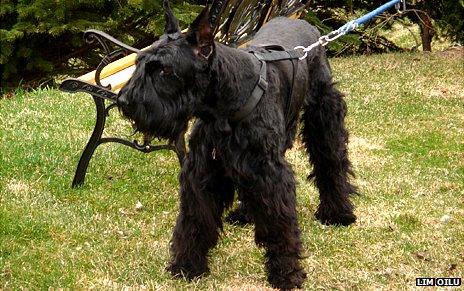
column 350, row 26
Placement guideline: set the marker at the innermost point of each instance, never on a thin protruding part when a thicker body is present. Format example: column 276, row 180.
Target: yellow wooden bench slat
column 110, row 69
column 118, row 79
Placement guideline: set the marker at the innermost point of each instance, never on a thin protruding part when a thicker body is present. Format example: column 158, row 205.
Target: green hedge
column 41, row 38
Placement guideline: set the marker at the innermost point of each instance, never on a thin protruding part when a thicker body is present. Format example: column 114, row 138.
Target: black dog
column 235, row 145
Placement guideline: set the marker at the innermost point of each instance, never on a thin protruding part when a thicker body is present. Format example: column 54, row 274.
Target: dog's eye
column 152, row 66
column 166, row 71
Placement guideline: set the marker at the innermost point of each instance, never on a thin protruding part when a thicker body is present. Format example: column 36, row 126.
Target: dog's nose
column 122, row 100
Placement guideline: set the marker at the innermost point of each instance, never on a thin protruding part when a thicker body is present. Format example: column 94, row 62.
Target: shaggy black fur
column 189, row 75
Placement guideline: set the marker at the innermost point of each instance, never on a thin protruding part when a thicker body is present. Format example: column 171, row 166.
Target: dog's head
column 160, row 96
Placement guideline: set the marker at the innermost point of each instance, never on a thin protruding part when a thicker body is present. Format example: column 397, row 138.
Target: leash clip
column 307, row 49
column 300, row 47
column 322, row 41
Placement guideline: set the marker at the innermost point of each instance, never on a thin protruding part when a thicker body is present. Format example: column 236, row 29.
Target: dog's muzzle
column 121, row 100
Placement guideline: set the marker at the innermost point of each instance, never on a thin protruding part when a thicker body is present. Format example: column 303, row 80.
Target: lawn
column 406, row 119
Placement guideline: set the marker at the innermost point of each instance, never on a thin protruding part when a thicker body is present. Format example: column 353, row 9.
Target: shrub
column 42, row 38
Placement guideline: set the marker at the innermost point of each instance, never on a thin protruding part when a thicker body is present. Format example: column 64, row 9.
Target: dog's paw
column 187, row 272
column 289, row 281
column 335, row 218
column 238, row 216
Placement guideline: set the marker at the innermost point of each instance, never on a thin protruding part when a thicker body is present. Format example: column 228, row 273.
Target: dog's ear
column 172, row 24
column 200, row 35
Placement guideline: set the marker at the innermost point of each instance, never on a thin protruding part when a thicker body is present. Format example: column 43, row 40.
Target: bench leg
column 92, row 144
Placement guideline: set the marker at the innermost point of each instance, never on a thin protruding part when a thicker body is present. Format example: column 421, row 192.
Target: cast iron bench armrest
column 103, row 84
column 73, row 85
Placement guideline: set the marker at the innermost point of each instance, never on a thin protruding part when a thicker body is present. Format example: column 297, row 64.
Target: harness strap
column 256, row 94
column 290, row 96
column 273, row 53
column 277, row 55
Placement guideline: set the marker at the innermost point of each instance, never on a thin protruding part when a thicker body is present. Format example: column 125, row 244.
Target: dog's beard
column 156, row 116
column 165, row 122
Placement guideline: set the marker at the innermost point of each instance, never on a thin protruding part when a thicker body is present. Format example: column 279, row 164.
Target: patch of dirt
column 448, row 91
column 452, row 52
column 361, row 151
column 16, row 187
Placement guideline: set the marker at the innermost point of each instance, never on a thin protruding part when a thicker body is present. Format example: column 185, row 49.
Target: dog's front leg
column 204, row 192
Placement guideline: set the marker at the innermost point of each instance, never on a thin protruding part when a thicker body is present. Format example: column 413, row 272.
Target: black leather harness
column 268, row 53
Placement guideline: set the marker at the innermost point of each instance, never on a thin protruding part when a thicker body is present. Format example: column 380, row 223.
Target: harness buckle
column 262, row 83
column 258, row 56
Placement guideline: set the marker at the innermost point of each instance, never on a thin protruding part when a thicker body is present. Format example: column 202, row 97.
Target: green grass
column 406, row 118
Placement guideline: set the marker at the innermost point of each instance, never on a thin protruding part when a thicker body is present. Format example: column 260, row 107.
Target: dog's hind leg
column 239, row 215
column 273, row 208
column 204, row 193
column 326, row 138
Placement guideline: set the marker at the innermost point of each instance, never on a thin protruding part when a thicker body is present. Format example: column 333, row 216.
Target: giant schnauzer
column 246, row 111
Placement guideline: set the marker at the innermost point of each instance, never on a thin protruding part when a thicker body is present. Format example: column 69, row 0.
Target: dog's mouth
column 153, row 116
column 121, row 99
column 127, row 108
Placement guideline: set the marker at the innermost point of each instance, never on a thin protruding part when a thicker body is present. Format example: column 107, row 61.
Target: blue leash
column 350, row 26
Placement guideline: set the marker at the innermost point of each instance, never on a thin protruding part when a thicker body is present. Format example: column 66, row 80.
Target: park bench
column 234, row 22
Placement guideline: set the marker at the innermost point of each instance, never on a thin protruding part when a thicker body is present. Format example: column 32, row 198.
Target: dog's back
column 286, row 32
